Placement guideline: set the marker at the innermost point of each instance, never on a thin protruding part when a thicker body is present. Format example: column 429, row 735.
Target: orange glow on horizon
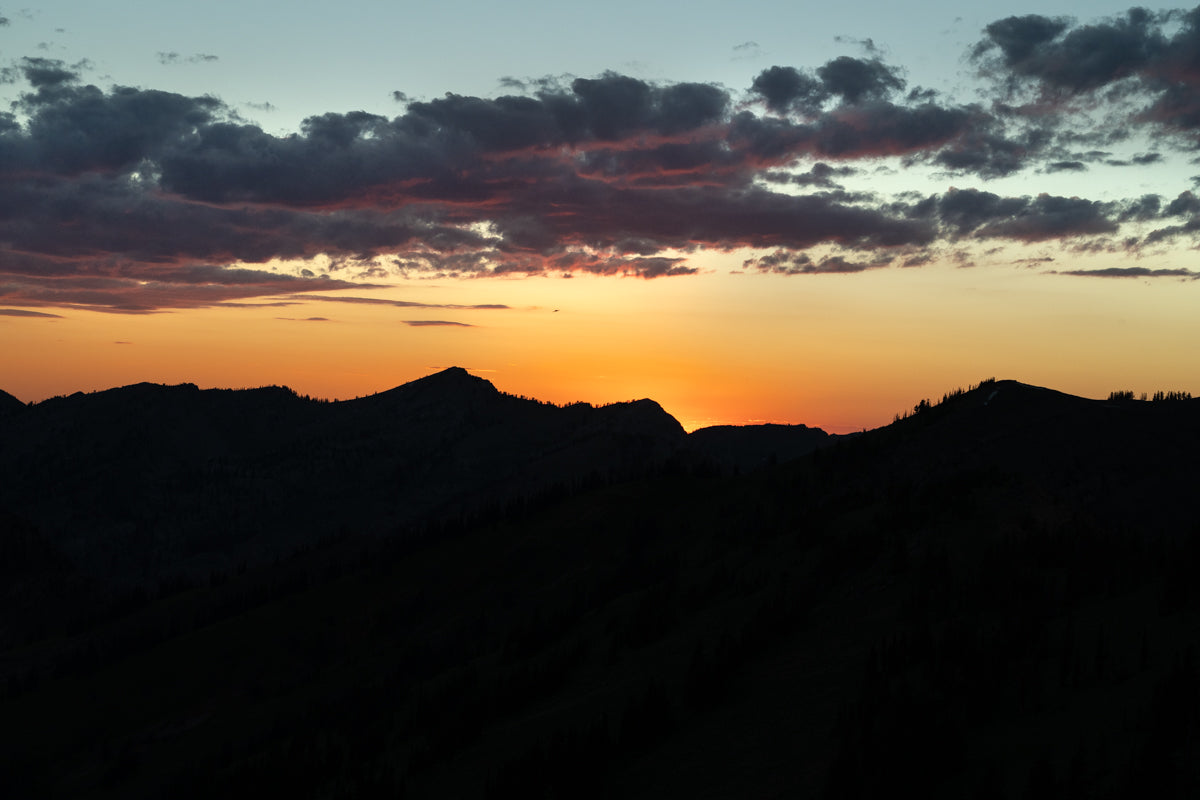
column 840, row 352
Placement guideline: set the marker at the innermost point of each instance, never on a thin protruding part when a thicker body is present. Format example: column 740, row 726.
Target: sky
column 761, row 212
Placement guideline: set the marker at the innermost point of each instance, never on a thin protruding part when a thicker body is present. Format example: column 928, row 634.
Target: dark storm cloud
column 641, row 267
column 884, row 128
column 607, row 108
column 1018, row 37
column 1078, row 59
column 682, row 217
column 820, row 174
column 24, row 312
column 1047, row 217
column 782, row 262
column 72, row 129
column 867, row 123
column 787, row 88
column 1151, row 57
column 1190, row 229
column 446, row 149
column 1066, row 166
column 1185, row 204
column 985, row 149
column 965, row 210
column 1146, row 207
column 853, row 80
column 1138, row 160
column 865, row 131
column 106, row 221
column 43, row 73
column 1032, row 219
column 856, row 79
column 132, row 199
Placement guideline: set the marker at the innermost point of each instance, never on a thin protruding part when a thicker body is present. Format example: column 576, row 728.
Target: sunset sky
column 753, row 212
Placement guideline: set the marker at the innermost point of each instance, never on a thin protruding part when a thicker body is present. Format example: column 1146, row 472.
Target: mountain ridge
column 992, row 596
column 161, row 470
column 456, row 379
column 164, row 469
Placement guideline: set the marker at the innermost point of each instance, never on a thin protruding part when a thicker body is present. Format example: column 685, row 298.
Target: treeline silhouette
column 1157, row 397
column 925, row 405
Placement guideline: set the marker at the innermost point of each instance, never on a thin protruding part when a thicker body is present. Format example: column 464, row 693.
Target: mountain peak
column 453, row 378
column 453, row 384
column 453, row 373
column 642, row 416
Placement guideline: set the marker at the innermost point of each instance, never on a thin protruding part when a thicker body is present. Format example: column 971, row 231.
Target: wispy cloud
column 1131, row 272
column 175, row 58
column 379, row 301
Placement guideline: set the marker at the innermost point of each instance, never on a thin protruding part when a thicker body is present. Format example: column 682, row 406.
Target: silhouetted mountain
column 994, row 596
column 169, row 479
column 1091, row 456
column 747, row 447
column 9, row 404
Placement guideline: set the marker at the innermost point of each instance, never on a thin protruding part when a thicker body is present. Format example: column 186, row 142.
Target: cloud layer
column 131, row 199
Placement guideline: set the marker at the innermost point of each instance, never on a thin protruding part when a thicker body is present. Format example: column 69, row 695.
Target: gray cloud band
column 131, row 199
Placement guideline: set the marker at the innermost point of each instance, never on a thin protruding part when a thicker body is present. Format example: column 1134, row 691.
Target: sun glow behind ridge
column 831, row 351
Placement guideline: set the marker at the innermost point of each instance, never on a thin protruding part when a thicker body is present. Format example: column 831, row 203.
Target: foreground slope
column 993, row 596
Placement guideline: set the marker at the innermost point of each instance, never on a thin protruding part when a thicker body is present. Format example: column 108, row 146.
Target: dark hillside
column 993, row 596
column 1132, row 459
column 169, row 482
column 9, row 404
column 750, row 447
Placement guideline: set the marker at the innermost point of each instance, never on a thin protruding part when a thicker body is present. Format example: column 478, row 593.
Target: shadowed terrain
column 750, row 447
column 161, row 482
column 9, row 404
column 443, row 591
